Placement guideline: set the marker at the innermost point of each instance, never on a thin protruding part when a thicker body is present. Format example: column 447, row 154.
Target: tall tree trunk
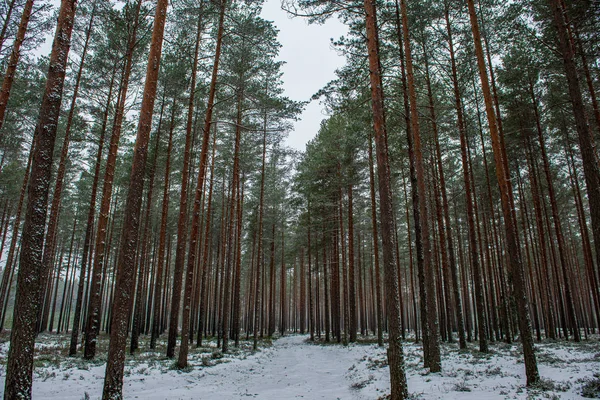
column 87, row 241
column 395, row 353
column 195, row 227
column 516, row 266
column 272, row 286
column 183, row 203
column 92, row 326
column 481, row 317
column 414, row 193
column 235, row 325
column 158, row 280
column 591, row 169
column 10, row 264
column 125, row 280
column 351, row 273
column 143, row 251
column 51, row 326
column 438, row 175
column 19, row 371
column 557, row 223
column 326, row 293
column 311, row 309
column 259, row 257
column 434, row 358
column 9, row 75
column 231, row 259
column 207, row 240
column 60, row 175
column 461, row 129
column 378, row 305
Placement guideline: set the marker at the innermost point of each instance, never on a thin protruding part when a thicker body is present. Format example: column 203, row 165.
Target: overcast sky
column 310, row 64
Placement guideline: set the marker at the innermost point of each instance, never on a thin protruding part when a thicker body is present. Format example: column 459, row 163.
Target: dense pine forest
column 152, row 214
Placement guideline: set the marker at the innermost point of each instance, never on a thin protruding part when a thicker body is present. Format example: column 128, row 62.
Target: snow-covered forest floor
column 293, row 368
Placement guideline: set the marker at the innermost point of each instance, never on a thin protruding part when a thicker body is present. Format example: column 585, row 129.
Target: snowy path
column 290, row 369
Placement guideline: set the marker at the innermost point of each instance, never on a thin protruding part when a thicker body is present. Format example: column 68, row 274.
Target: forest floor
column 291, row 368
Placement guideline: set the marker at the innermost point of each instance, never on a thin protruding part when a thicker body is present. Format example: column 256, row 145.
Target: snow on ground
column 293, row 368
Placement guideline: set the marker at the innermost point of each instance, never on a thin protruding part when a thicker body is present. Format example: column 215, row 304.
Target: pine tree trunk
column 326, row 293
column 235, row 325
column 461, row 129
column 51, row 326
column 591, row 169
column 92, row 327
column 183, row 205
column 145, row 238
column 395, row 353
column 10, row 264
column 9, row 75
column 483, row 345
column 158, row 280
column 207, row 240
column 194, row 234
column 342, row 235
column 68, row 283
column 511, row 233
column 259, row 257
column 414, row 193
column 351, row 272
column 434, row 358
column 378, row 305
column 272, row 287
column 125, row 279
column 311, row 307
column 19, row 371
column 230, row 255
column 282, row 313
column 60, row 175
column 87, row 241
column 557, row 223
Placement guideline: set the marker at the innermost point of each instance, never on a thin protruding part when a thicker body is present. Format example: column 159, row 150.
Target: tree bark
column 125, row 279
column 87, row 241
column 195, row 227
column 158, row 280
column 19, row 370
column 378, row 305
column 461, row 130
column 395, row 353
column 49, row 246
column 92, row 326
column 351, row 268
column 511, row 233
column 433, row 356
column 259, row 258
column 10, row 264
column 557, row 223
column 591, row 169
column 9, row 75
column 183, row 206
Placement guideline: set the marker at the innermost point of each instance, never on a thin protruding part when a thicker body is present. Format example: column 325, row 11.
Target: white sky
column 310, row 64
